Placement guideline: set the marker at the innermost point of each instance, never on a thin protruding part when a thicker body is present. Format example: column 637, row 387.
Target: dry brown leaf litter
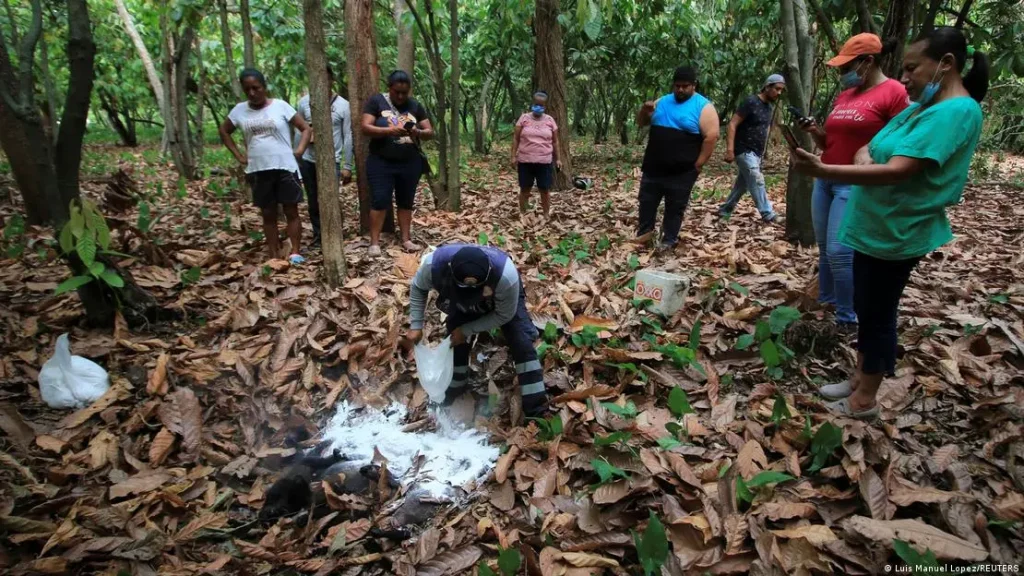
column 155, row 476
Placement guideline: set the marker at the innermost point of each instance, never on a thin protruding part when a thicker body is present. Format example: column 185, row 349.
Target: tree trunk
column 549, row 69
column 125, row 128
column 198, row 140
column 147, row 63
column 81, row 52
column 799, row 51
column 929, row 19
column 864, row 19
column 454, row 188
column 363, row 82
column 897, row 25
column 826, row 25
column 327, row 178
column 14, row 23
column 249, row 54
column 229, row 54
column 175, row 64
column 22, row 151
column 481, row 117
column 406, row 39
column 49, row 88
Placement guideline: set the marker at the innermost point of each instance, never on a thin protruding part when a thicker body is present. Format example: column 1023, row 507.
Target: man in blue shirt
column 684, row 129
column 480, row 290
column 746, row 139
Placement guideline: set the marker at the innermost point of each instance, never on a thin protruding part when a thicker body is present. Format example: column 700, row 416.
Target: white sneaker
column 836, row 391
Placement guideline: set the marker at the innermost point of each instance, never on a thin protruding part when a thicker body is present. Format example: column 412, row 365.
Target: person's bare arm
column 643, row 116
column 516, row 134
column 305, row 133
column 896, row 170
column 554, row 149
column 227, row 127
column 730, row 137
column 709, row 129
column 423, row 130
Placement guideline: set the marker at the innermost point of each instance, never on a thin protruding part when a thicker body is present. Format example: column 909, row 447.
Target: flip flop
column 374, row 251
column 410, row 246
column 842, row 408
column 836, row 391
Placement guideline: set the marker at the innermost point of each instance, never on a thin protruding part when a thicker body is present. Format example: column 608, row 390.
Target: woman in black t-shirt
column 395, row 124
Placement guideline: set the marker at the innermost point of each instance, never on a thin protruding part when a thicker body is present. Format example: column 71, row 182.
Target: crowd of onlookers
column 894, row 155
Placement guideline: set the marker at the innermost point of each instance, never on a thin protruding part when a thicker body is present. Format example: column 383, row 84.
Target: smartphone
column 787, row 133
column 409, row 126
column 798, row 114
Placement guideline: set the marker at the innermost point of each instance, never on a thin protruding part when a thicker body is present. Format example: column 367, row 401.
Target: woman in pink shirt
column 535, row 152
column 869, row 100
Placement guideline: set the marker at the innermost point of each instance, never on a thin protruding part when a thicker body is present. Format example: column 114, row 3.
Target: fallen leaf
column 817, row 534
column 943, row 544
column 157, row 385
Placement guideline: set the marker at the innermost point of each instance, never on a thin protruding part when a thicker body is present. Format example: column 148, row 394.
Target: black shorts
column 387, row 177
column 273, row 187
column 542, row 174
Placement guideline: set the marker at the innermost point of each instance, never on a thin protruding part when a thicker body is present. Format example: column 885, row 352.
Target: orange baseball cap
column 860, row 45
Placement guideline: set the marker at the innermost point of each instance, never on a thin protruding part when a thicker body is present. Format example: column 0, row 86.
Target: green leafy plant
column 607, row 472
column 603, row 244
column 768, row 337
column 780, row 409
column 549, row 427
column 509, row 562
column 628, row 411
column 87, row 236
column 680, row 356
column 668, row 442
column 679, row 402
column 745, row 488
column 1000, row 298
column 652, row 546
column 633, row 262
column 826, row 440
column 587, row 338
column 481, row 239
column 694, row 342
column 621, row 438
column 550, row 333
column 921, row 563
column 145, row 219
column 191, row 276
column 13, row 231
column 739, row 288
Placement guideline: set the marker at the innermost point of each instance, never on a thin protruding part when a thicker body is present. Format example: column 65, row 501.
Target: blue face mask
column 537, row 109
column 930, row 90
column 851, row 79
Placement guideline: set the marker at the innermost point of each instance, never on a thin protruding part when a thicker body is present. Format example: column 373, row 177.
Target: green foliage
column 628, row 411
column 550, row 427
column 86, row 236
column 191, row 276
column 606, row 472
column 781, row 317
column 745, row 488
column 679, row 402
column 694, row 343
column 920, row 563
column 668, row 442
column 587, row 338
column 739, row 288
column 509, row 561
column 680, row 356
column 652, row 546
column 780, row 409
column 481, row 239
column 603, row 244
column 550, row 333
column 826, row 440
column 12, row 236
column 633, row 262
column 768, row 338
column 620, row 437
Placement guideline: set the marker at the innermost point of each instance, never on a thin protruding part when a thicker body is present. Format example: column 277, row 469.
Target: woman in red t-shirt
column 867, row 103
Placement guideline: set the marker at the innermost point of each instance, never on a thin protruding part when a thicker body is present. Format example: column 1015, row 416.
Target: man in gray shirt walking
column 341, row 123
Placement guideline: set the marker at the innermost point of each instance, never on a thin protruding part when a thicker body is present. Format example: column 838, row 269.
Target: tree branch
column 26, row 55
column 867, row 23
column 962, row 16
column 14, row 25
column 826, row 24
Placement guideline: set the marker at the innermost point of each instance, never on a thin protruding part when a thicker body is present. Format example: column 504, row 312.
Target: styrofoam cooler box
column 666, row 291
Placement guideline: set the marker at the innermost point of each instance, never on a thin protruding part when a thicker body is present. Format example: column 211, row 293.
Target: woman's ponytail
column 976, row 79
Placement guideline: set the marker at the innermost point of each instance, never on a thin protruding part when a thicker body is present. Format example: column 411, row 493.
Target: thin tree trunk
column 439, row 181
column 363, row 83
column 198, row 139
column 229, row 54
column 799, row 226
column 454, row 188
column 897, row 25
column 929, row 19
column 549, row 69
column 49, row 88
column 826, row 25
column 124, row 128
column 326, row 176
column 481, row 117
column 151, row 74
column 23, row 152
column 406, row 39
column 961, row 18
column 864, row 19
column 179, row 102
column 249, row 54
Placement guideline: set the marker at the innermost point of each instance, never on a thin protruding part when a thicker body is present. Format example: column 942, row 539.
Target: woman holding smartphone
column 869, row 100
column 395, row 123
column 902, row 182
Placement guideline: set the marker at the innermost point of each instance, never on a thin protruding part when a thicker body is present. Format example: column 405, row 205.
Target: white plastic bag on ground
column 434, row 366
column 68, row 381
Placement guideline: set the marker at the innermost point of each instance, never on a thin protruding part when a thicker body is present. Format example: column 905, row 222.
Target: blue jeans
column 749, row 179
column 835, row 261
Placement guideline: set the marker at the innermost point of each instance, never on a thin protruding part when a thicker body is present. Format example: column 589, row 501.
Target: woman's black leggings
column 877, row 288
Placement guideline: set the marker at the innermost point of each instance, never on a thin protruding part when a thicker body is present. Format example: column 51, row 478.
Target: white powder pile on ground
column 454, row 455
